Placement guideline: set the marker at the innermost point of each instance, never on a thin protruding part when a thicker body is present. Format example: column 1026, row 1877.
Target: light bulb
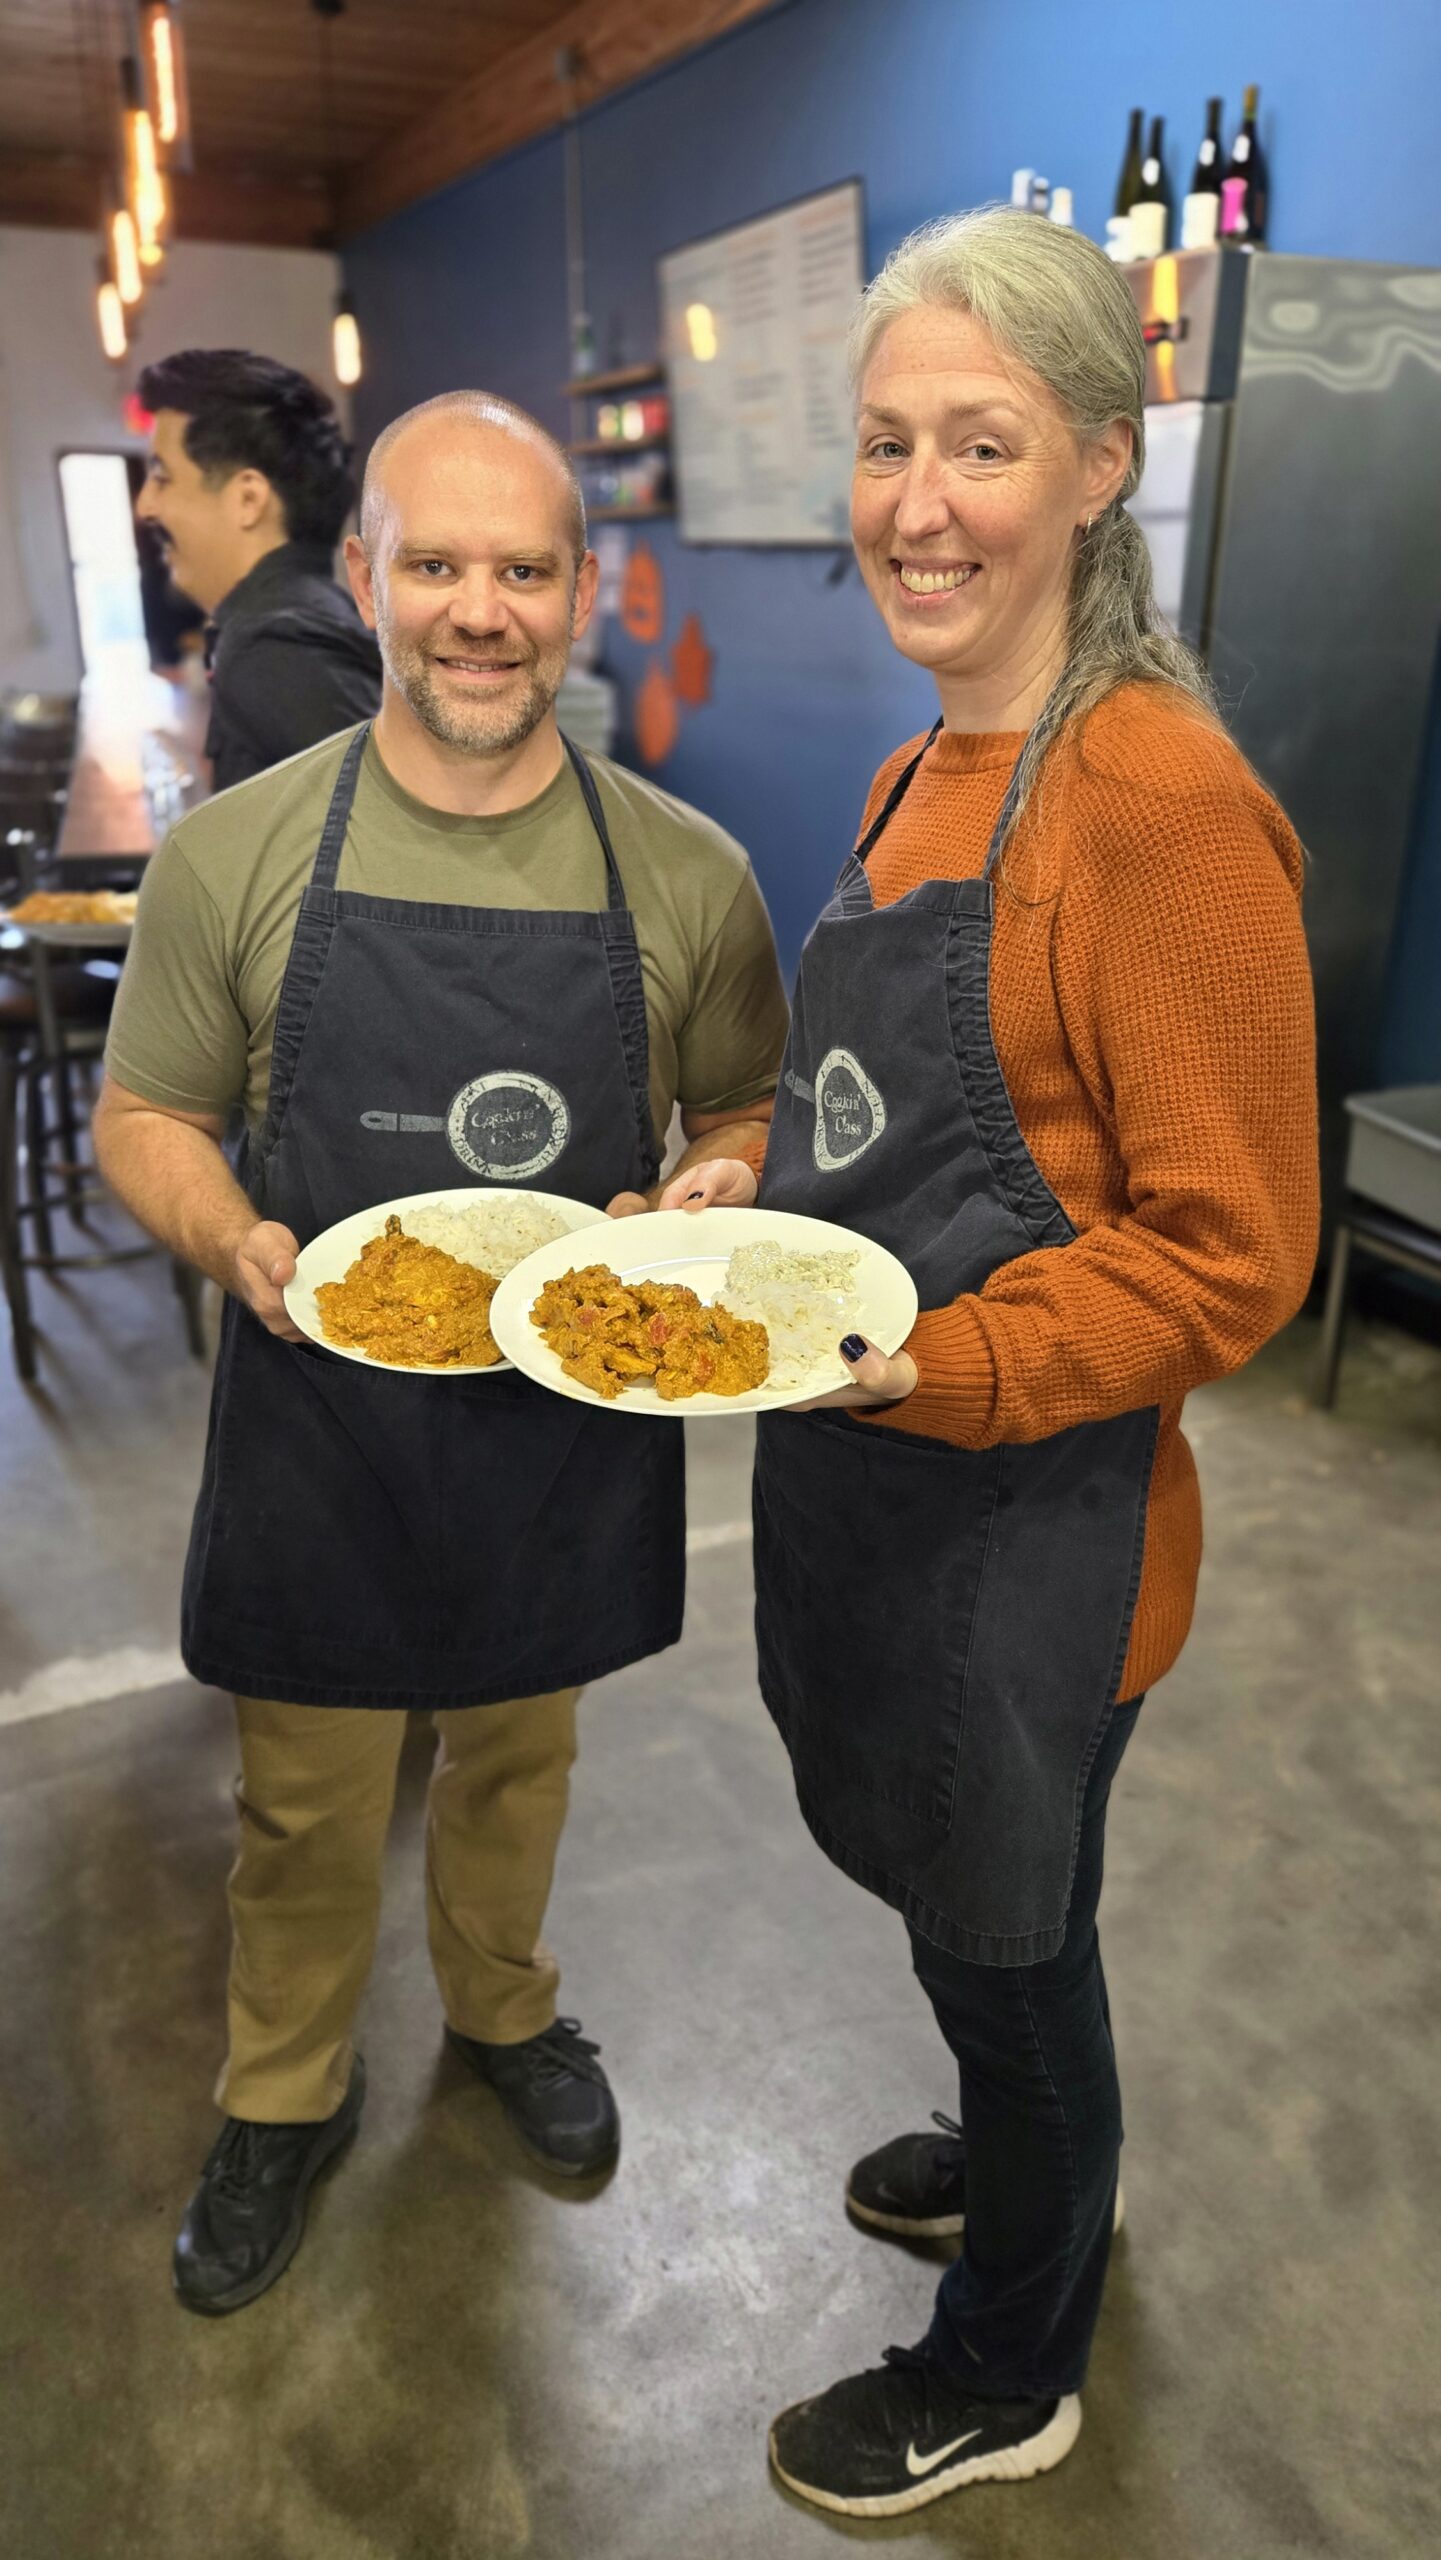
column 159, row 32
column 125, row 255
column 110, row 312
column 144, row 186
column 345, row 344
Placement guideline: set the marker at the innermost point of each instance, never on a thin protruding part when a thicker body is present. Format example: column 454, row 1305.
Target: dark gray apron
column 941, row 1631
column 366, row 1540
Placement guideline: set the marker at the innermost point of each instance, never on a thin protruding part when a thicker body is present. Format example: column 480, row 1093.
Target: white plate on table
column 329, row 1257
column 693, row 1247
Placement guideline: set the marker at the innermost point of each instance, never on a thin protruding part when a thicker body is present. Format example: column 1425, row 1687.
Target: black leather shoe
column 246, row 2218
column 555, row 2093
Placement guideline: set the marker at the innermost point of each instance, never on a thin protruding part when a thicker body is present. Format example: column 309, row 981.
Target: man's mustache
column 484, row 653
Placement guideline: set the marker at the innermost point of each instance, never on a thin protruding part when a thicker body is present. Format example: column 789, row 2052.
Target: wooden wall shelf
column 627, row 515
column 629, row 377
column 606, row 445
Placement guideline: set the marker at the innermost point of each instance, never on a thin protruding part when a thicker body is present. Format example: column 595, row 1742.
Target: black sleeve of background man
column 278, row 691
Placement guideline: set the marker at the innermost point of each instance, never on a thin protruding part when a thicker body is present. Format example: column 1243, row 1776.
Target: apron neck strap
column 337, row 816
column 1046, row 722
column 895, row 796
column 615, row 893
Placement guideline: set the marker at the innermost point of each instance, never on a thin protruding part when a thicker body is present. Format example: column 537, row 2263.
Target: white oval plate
column 329, row 1257
column 693, row 1247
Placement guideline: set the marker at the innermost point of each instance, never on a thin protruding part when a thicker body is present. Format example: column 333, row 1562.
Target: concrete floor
column 466, row 2360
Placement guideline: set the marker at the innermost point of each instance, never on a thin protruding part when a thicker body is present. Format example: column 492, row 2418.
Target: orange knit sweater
column 1151, row 1010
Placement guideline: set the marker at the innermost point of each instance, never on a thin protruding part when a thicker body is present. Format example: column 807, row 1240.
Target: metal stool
column 54, row 1013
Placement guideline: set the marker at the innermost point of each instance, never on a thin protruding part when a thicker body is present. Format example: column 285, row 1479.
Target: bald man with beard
column 444, row 949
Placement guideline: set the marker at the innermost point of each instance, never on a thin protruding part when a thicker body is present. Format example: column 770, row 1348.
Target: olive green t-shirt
column 194, row 1018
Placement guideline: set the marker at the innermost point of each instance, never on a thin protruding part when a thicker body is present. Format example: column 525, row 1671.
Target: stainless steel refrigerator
column 1292, row 504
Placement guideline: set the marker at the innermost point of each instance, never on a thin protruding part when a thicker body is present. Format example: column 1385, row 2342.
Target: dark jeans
column 1041, row 2111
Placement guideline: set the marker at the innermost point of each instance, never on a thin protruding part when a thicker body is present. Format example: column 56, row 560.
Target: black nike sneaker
column 557, row 2097
column 883, row 2442
column 246, row 2218
column 916, row 2185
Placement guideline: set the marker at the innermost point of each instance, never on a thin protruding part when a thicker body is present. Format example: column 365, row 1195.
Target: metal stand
column 1395, row 1240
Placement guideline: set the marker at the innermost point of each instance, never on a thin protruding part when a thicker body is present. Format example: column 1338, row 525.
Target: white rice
column 806, row 1301
column 493, row 1234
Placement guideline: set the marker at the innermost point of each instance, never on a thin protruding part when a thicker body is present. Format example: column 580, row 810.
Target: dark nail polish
column 853, row 1347
column 695, row 1195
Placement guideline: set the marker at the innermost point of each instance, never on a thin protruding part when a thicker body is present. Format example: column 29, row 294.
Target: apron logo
column 850, row 1113
column 509, row 1126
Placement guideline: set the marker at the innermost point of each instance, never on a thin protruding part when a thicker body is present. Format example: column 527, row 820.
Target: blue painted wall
column 932, row 103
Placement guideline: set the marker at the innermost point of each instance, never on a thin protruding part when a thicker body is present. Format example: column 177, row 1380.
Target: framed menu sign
column 753, row 326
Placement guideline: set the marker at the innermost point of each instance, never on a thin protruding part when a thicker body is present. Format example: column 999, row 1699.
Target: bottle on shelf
column 1245, row 188
column 1150, row 218
column 1128, row 185
column 1063, row 208
column 1201, row 210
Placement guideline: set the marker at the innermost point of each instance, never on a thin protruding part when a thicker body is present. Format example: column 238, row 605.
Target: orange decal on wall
column 657, row 716
column 692, row 663
column 642, row 596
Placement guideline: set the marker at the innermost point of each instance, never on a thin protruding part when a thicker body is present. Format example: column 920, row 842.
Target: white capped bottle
column 1201, row 211
column 1151, row 208
column 1118, row 228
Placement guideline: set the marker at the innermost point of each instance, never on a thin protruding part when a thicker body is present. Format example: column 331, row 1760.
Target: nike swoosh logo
column 918, row 2464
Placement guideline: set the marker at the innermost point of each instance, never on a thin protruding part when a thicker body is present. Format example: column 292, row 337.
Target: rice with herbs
column 493, row 1234
column 806, row 1301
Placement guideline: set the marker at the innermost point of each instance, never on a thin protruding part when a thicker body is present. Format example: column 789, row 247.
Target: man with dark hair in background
column 248, row 490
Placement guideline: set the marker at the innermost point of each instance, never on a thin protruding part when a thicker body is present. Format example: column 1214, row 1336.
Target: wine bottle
column 1246, row 186
column 1118, row 228
column 1151, row 212
column 1201, row 212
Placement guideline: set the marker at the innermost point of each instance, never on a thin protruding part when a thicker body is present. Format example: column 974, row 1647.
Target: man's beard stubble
column 478, row 729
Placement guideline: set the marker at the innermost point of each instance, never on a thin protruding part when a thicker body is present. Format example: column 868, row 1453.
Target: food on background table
column 806, row 1301
column 608, row 1333
column 493, row 1234
column 75, row 906
column 411, row 1305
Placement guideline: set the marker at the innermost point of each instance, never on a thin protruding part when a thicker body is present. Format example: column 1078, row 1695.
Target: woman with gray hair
column 1052, row 1045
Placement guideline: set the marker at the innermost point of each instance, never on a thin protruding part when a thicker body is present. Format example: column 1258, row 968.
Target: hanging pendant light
column 123, row 249
column 345, row 349
column 145, row 189
column 345, row 342
column 167, row 90
column 110, row 314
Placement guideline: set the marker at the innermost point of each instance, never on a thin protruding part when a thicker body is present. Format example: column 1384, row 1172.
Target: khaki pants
column 315, row 1795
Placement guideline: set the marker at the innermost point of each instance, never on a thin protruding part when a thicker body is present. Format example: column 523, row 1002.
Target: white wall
column 57, row 390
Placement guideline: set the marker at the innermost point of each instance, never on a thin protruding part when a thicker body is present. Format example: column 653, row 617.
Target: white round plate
column 329, row 1257
column 693, row 1247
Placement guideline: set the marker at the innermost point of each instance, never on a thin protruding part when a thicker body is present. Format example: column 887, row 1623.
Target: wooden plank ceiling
column 422, row 90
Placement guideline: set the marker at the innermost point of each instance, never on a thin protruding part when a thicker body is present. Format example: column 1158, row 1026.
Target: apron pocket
column 868, row 1558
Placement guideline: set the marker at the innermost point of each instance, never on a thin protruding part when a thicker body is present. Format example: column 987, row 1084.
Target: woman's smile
column 931, row 583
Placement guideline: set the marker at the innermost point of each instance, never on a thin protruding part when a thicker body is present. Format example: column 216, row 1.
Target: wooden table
column 139, row 765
